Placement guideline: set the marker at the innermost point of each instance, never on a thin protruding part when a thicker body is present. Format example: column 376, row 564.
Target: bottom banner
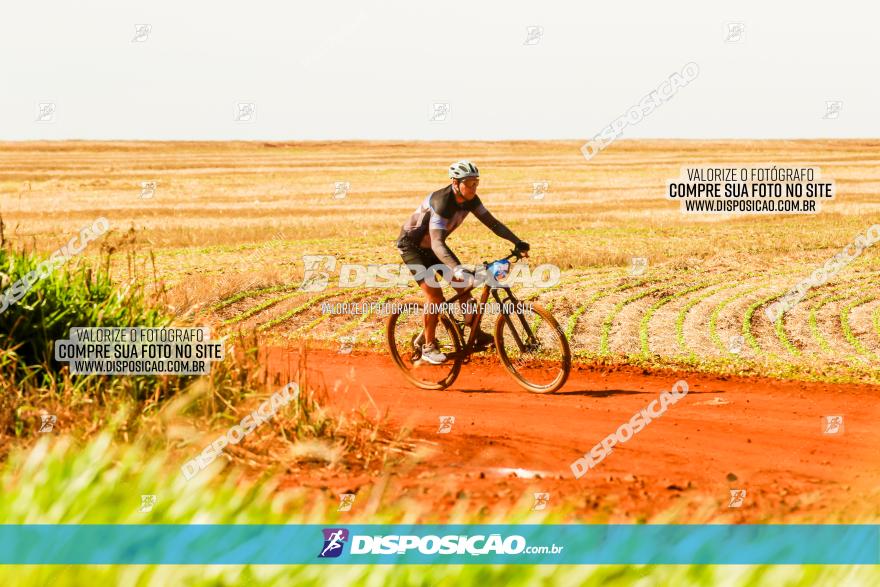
column 439, row 544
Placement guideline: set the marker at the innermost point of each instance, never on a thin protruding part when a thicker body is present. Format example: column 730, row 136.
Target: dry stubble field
column 230, row 222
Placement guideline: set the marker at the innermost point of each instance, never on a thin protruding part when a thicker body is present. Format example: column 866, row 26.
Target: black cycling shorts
column 415, row 255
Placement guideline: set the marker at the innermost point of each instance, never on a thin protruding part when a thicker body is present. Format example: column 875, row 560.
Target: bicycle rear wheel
column 403, row 327
column 533, row 348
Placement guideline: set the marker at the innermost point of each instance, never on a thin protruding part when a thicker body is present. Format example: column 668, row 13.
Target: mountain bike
column 528, row 339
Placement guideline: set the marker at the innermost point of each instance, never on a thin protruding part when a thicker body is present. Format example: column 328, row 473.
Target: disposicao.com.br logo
column 334, row 542
column 452, row 544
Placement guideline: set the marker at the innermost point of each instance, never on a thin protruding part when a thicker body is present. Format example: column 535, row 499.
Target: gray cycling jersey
column 438, row 215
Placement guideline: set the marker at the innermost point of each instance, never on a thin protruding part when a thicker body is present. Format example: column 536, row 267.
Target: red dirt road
column 762, row 435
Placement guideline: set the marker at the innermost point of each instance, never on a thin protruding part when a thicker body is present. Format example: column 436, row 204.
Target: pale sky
column 375, row 69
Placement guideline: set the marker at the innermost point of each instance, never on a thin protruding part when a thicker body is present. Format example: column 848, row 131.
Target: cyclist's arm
column 438, row 231
column 494, row 224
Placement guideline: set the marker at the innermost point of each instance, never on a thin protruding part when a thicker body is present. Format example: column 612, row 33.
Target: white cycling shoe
column 431, row 354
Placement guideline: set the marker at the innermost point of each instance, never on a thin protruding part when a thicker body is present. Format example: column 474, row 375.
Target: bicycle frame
column 484, row 297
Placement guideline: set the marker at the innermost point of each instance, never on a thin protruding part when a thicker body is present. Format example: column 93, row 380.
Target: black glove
column 522, row 246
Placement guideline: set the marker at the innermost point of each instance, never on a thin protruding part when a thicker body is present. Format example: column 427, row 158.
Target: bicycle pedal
column 482, row 348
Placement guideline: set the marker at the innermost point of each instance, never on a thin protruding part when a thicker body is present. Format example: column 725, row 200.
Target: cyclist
column 422, row 242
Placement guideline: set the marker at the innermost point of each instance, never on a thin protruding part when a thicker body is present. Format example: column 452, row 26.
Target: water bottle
column 499, row 269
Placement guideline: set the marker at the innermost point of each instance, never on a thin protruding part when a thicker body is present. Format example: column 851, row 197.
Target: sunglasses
column 471, row 183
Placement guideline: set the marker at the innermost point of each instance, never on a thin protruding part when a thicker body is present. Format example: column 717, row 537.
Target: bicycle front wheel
column 533, row 349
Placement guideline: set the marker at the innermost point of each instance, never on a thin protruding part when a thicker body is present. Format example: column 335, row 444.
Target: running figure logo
column 147, row 503
column 47, row 422
column 446, row 423
column 340, row 189
column 334, row 540
column 346, row 344
column 539, row 189
column 736, row 344
column 533, row 35
column 737, row 496
column 541, row 501
column 315, row 278
column 832, row 425
column 245, row 112
column 142, row 33
column 638, row 265
column 46, row 112
column 346, row 500
column 832, row 109
column 736, row 32
column 148, row 189
column 439, row 112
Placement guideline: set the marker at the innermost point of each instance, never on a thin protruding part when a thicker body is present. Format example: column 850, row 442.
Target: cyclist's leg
column 466, row 304
column 434, row 296
column 433, row 293
column 420, row 261
column 468, row 308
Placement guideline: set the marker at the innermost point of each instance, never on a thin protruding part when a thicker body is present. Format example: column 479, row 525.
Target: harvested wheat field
column 220, row 239
column 229, row 223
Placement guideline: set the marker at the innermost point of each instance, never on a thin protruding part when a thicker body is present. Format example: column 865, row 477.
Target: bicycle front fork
column 506, row 312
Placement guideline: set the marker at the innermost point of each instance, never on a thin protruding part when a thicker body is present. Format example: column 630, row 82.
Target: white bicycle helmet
column 463, row 169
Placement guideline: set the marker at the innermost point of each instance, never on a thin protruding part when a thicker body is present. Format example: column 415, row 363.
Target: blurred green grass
column 56, row 482
column 79, row 294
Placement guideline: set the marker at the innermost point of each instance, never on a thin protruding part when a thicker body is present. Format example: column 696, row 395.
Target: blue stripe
column 301, row 544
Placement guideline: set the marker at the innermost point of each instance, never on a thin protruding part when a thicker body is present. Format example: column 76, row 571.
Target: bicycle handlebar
column 513, row 254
